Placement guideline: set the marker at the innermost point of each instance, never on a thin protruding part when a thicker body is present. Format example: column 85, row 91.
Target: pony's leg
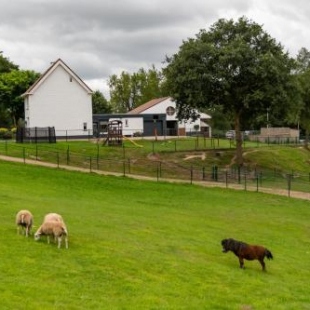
column 261, row 260
column 241, row 262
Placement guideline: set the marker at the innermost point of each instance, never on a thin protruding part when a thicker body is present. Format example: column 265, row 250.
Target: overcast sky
column 98, row 38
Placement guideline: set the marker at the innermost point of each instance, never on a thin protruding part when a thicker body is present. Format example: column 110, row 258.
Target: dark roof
column 147, row 105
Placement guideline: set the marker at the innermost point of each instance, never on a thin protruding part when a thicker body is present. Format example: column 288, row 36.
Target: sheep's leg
column 26, row 230
column 59, row 242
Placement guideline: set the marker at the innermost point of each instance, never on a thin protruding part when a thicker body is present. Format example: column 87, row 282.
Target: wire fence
column 234, row 177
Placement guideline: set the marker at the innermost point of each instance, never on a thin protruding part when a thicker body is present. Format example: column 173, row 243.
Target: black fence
column 234, row 177
column 36, row 135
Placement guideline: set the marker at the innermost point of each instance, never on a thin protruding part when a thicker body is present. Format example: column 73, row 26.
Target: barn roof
column 147, row 105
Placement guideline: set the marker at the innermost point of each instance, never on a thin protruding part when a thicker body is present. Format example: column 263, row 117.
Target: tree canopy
column 12, row 85
column 128, row 91
column 6, row 65
column 303, row 59
column 236, row 65
column 100, row 103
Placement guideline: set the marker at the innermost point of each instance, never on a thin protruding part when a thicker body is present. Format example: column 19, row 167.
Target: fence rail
column 246, row 179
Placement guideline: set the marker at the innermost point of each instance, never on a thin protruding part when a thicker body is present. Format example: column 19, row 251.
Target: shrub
column 3, row 131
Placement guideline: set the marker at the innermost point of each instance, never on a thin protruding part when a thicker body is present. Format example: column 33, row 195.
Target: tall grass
column 145, row 245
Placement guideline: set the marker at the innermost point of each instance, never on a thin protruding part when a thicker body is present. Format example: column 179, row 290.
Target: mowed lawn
column 148, row 245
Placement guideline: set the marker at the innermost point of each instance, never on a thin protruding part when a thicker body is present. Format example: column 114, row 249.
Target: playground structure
column 115, row 134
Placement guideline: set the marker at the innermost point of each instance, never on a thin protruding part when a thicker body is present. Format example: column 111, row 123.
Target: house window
column 170, row 111
column 71, row 79
column 126, row 122
column 84, row 126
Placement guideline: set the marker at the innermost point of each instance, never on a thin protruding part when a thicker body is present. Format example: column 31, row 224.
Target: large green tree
column 128, row 91
column 12, row 85
column 303, row 59
column 6, row 65
column 234, row 64
column 100, row 103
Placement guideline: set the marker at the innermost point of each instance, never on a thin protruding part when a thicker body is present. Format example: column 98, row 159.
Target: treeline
column 235, row 71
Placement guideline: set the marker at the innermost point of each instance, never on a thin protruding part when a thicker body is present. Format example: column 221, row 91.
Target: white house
column 60, row 99
column 174, row 126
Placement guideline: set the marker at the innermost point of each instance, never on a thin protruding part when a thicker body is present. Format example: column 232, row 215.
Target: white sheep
column 53, row 228
column 53, row 217
column 24, row 220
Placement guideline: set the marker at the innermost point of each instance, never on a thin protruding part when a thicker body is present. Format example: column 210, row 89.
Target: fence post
column 24, row 154
column 157, row 171
column 68, row 155
column 191, row 174
column 6, row 147
column 97, row 157
column 214, row 173
column 245, row 180
column 226, row 178
column 257, row 182
column 90, row 162
column 203, row 173
column 36, row 151
column 289, row 181
column 57, row 159
column 124, row 168
column 129, row 166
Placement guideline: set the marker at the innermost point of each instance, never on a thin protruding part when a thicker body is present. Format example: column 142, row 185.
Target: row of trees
column 235, row 71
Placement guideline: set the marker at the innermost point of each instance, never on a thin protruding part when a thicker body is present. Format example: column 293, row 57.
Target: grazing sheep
column 24, row 219
column 53, row 217
column 52, row 228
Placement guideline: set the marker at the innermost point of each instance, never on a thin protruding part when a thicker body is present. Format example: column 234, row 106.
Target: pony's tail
column 268, row 254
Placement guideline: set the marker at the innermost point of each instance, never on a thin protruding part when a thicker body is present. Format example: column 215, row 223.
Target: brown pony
column 245, row 251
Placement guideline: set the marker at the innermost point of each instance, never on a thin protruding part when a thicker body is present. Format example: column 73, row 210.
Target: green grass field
column 148, row 245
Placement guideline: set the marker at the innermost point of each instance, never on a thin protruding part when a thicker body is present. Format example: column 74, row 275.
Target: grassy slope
column 143, row 245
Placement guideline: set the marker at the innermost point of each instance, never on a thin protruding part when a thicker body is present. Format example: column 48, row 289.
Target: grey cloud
column 99, row 38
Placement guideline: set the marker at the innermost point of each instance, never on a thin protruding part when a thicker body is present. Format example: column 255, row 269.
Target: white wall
column 60, row 102
column 131, row 125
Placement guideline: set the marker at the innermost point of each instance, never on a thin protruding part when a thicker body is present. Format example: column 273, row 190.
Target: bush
column 3, row 131
column 6, row 133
